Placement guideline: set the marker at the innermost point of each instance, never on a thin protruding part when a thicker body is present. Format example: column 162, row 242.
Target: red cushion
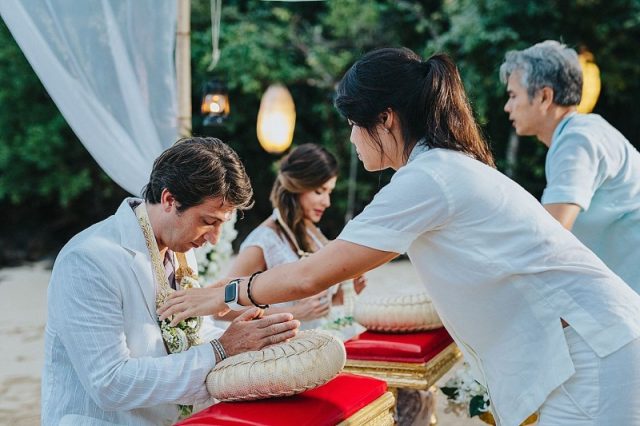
column 326, row 405
column 411, row 347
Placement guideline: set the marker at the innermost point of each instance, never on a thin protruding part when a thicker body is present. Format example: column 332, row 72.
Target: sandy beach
column 22, row 319
column 23, row 313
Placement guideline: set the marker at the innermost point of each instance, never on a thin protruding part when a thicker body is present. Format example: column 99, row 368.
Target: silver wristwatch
column 231, row 292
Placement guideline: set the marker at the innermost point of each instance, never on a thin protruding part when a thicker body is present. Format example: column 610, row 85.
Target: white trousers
column 603, row 391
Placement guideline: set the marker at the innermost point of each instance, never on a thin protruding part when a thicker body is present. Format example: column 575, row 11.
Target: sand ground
column 23, row 295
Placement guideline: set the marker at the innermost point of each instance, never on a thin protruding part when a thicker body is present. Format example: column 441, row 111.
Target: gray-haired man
column 593, row 172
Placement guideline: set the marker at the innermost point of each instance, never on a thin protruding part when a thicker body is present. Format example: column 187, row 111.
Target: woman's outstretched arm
column 250, row 260
column 337, row 261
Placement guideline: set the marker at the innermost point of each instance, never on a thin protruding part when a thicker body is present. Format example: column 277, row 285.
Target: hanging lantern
column 276, row 119
column 215, row 103
column 590, row 82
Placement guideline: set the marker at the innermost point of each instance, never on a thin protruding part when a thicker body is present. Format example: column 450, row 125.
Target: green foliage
column 449, row 391
column 477, row 406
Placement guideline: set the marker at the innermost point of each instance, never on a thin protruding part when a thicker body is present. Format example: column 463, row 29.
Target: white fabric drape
column 109, row 67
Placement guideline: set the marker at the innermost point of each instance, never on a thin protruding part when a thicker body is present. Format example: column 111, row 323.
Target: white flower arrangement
column 465, row 394
column 213, row 258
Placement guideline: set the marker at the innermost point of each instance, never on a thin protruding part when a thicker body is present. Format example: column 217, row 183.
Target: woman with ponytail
column 300, row 194
column 543, row 323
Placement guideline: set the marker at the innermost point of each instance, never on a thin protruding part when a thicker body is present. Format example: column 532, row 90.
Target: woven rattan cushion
column 397, row 314
column 307, row 361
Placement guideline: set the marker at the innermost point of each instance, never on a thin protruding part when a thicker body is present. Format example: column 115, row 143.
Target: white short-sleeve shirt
column 501, row 272
column 592, row 165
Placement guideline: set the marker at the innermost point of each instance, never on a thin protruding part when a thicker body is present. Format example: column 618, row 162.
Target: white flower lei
column 185, row 334
column 213, row 258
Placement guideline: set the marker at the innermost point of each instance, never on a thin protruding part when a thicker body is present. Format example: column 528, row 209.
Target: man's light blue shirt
column 592, row 165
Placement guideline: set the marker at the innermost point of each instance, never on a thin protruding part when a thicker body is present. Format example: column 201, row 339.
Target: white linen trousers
column 598, row 394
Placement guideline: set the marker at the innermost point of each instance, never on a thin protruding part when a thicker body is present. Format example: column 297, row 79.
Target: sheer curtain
column 109, row 67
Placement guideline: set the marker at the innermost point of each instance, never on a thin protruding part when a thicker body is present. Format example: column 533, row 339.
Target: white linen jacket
column 105, row 361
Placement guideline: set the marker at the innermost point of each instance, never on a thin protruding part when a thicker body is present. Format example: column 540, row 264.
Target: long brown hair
column 428, row 98
column 305, row 168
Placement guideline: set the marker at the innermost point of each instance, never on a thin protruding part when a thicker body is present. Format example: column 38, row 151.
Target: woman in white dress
column 543, row 323
column 300, row 195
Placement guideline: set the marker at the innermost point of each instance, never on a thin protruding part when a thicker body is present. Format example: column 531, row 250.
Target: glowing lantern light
column 215, row 103
column 590, row 82
column 276, row 119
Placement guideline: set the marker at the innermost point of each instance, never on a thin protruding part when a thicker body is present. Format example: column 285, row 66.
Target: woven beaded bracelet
column 249, row 291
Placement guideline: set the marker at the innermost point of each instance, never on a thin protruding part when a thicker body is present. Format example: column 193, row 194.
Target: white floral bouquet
column 213, row 258
column 465, row 394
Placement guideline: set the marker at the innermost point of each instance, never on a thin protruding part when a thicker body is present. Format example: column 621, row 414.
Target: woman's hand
column 312, row 307
column 359, row 283
column 194, row 302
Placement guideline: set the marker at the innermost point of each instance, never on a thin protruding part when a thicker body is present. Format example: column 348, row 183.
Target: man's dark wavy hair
column 197, row 168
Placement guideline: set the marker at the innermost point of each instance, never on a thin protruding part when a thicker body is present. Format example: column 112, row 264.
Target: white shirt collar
column 418, row 149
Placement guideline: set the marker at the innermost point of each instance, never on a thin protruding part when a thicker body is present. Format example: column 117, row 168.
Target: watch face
column 230, row 292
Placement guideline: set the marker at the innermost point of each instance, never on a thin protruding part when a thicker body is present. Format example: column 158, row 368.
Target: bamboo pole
column 183, row 67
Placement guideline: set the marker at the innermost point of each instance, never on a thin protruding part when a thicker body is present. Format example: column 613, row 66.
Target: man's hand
column 251, row 331
column 194, row 302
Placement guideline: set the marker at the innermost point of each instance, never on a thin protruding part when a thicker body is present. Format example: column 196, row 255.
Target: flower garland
column 181, row 337
column 185, row 334
column 213, row 258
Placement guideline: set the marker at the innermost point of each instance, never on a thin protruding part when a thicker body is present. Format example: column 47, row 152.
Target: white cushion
column 307, row 361
column 403, row 313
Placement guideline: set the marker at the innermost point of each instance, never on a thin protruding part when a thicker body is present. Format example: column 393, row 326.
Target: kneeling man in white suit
column 107, row 360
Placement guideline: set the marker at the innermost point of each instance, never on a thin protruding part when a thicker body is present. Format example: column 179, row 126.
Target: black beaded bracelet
column 249, row 291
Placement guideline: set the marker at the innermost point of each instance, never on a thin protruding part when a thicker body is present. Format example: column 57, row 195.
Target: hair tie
column 425, row 66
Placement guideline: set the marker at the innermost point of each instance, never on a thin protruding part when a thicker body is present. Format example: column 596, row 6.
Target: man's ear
column 546, row 97
column 167, row 200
